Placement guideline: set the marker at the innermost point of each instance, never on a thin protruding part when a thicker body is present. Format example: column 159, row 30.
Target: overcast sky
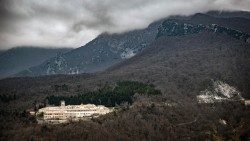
column 73, row 23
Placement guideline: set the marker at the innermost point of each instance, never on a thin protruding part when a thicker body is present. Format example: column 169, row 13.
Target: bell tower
column 62, row 103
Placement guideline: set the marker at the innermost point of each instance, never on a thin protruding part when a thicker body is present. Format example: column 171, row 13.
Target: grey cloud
column 72, row 23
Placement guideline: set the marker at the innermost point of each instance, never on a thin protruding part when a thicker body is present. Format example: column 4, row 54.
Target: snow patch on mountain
column 59, row 64
column 127, row 53
column 248, row 40
column 218, row 92
column 50, row 70
column 73, row 71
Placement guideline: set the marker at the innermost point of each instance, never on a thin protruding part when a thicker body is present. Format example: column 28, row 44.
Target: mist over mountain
column 109, row 49
column 228, row 14
column 64, row 23
column 99, row 54
column 16, row 59
column 2, row 51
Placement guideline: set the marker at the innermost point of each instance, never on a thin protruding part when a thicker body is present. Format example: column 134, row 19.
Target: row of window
column 79, row 110
column 55, row 114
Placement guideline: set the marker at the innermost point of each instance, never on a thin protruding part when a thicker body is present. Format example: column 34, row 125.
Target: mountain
column 97, row 55
column 229, row 14
column 237, row 23
column 17, row 59
column 2, row 51
column 109, row 49
column 185, row 56
column 179, row 28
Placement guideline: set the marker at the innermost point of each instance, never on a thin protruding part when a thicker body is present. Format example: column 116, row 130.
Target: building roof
column 73, row 107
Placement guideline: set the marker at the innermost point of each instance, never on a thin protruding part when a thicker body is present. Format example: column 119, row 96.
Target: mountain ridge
column 98, row 54
column 174, row 27
column 19, row 58
column 109, row 49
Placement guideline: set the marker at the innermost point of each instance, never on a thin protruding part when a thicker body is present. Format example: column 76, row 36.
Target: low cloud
column 73, row 23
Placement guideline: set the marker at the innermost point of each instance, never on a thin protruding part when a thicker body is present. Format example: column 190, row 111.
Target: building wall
column 73, row 111
column 247, row 102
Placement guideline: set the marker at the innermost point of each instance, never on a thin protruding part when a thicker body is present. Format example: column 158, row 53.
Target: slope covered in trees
column 108, row 96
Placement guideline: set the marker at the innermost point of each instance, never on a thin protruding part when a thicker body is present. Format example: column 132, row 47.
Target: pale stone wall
column 247, row 102
column 73, row 111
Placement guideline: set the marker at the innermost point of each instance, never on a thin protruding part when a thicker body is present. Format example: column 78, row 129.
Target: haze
column 64, row 23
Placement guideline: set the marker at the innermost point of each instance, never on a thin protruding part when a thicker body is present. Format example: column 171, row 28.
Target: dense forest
column 108, row 96
column 7, row 98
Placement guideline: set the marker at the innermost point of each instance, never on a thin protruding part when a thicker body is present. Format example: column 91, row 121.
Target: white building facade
column 75, row 112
